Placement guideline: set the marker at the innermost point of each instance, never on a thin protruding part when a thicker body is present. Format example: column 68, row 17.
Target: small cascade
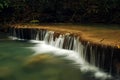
column 61, row 41
column 104, row 57
column 96, row 55
column 49, row 38
column 37, row 36
column 27, row 33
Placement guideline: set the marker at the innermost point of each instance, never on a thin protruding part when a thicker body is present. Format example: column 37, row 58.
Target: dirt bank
column 100, row 35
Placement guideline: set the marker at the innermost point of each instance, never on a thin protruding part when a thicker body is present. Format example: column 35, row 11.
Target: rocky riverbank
column 97, row 35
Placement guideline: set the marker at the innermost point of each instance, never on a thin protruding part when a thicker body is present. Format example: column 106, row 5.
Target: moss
column 6, row 73
column 34, row 21
column 40, row 61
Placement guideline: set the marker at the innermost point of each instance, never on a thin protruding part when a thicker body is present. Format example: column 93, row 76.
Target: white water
column 76, row 55
column 42, row 48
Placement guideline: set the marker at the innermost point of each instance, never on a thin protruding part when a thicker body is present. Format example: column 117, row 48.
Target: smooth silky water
column 29, row 60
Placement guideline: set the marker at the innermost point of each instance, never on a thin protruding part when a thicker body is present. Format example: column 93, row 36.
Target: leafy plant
column 4, row 3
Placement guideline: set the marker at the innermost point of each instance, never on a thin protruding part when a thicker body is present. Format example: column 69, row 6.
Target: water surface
column 20, row 61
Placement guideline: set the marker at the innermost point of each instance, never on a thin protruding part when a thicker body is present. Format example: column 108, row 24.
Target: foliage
column 4, row 3
column 81, row 11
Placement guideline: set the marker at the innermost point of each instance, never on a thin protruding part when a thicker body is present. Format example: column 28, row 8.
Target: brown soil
column 108, row 36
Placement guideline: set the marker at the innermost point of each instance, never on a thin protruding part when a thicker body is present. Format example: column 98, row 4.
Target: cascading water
column 84, row 54
column 75, row 45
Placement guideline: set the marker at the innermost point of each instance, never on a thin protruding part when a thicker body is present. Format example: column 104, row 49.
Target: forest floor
column 98, row 34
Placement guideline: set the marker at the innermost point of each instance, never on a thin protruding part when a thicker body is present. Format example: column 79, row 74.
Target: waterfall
column 37, row 35
column 88, row 53
column 59, row 41
column 27, row 34
column 95, row 55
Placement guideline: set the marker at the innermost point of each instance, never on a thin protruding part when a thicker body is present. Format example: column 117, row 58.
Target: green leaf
column 1, row 5
column 5, row 4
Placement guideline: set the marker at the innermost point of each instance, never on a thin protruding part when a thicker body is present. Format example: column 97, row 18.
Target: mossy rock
column 34, row 21
column 40, row 61
column 6, row 73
